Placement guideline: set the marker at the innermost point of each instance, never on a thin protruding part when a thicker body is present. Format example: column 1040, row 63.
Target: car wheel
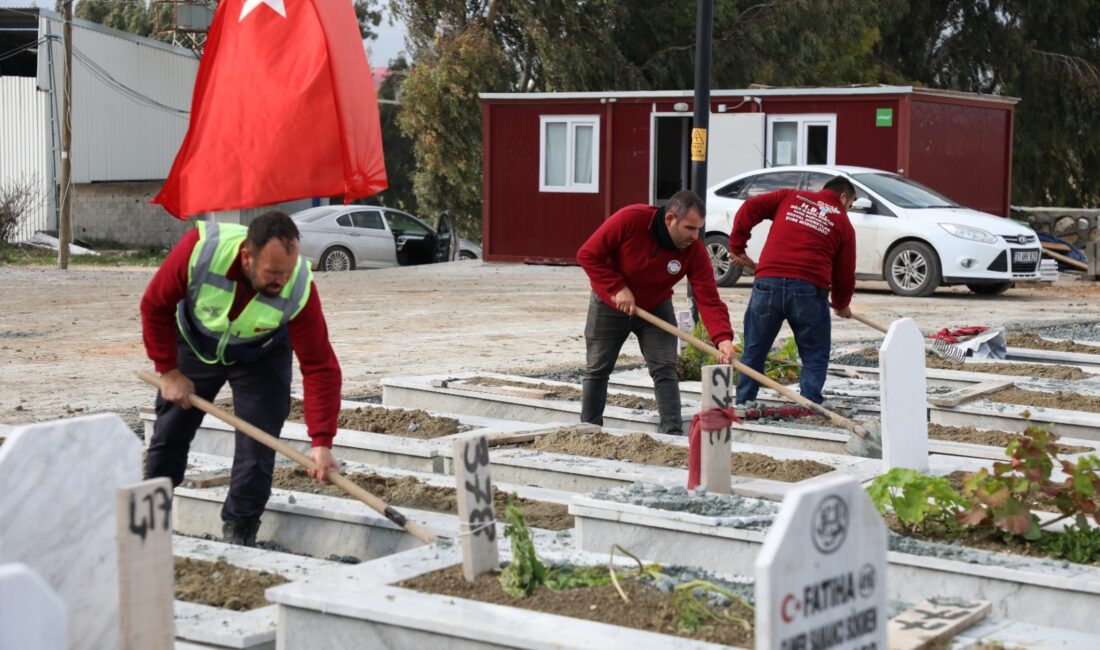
column 993, row 289
column 466, row 255
column 725, row 273
column 913, row 269
column 336, row 258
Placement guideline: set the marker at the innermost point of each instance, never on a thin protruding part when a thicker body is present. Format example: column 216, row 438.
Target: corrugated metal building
column 555, row 165
column 131, row 100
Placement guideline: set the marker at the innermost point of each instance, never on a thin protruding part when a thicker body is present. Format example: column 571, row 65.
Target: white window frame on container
column 571, row 122
column 802, row 122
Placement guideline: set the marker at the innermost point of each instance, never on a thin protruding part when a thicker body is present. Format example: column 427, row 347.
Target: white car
column 907, row 234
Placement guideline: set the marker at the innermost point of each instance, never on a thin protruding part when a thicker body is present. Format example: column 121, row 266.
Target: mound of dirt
column 408, row 492
column 394, row 422
column 1056, row 400
column 568, row 393
column 992, row 438
column 645, row 450
column 1036, row 342
column 649, row 609
column 220, row 584
column 1040, row 370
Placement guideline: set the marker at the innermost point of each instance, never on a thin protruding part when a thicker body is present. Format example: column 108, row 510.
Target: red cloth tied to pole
column 951, row 335
column 714, row 419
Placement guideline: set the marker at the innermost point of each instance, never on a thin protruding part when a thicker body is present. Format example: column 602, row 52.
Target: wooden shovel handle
column 333, row 476
column 1066, row 259
column 869, row 323
column 758, row 376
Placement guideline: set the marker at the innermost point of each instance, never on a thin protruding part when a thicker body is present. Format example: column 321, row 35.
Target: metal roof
column 761, row 91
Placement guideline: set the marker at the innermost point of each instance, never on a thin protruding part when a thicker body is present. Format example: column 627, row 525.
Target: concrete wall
column 1073, row 225
column 122, row 212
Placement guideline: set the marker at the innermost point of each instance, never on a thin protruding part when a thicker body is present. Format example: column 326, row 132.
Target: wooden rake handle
column 761, row 378
column 333, row 476
column 869, row 323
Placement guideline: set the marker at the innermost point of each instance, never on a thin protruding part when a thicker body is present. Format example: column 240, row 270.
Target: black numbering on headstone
column 481, row 495
column 481, row 455
column 482, row 521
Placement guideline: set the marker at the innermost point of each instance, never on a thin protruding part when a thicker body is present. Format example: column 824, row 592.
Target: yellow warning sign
column 698, row 145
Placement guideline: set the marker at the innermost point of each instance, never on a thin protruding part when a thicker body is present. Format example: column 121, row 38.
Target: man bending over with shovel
column 811, row 248
column 229, row 304
column 635, row 258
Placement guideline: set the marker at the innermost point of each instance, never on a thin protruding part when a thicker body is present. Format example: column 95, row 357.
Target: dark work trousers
column 261, row 396
column 806, row 310
column 604, row 335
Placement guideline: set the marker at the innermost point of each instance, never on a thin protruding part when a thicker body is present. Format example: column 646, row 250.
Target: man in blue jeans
column 810, row 250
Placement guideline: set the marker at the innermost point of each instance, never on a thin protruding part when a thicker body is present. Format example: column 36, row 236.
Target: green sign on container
column 884, row 117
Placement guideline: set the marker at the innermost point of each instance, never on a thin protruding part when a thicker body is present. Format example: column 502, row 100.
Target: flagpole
column 64, row 226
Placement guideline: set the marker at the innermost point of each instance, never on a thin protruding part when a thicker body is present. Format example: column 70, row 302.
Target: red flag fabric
column 709, row 420
column 949, row 335
column 284, row 108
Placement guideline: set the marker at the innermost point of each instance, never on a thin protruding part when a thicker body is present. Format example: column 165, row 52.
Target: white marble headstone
column 57, row 505
column 820, row 576
column 31, row 614
column 904, row 398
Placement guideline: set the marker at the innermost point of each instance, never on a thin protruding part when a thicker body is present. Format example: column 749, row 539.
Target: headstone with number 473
column 820, row 577
column 477, row 521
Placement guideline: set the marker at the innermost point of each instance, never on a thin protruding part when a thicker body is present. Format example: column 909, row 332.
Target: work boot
column 242, row 533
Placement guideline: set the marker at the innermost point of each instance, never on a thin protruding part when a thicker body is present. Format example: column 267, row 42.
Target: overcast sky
column 390, row 41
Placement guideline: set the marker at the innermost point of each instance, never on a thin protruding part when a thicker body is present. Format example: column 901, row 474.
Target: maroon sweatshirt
column 308, row 332
column 633, row 248
column 810, row 239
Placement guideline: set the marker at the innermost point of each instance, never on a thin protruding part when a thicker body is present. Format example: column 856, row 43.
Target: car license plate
column 1025, row 256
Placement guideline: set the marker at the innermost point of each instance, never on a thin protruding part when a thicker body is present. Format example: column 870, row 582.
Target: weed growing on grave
column 691, row 600
column 689, row 367
column 1081, row 545
column 921, row 503
column 1003, row 499
column 781, row 365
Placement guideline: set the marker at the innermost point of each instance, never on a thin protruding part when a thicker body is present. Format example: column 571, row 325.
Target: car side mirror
column 862, row 204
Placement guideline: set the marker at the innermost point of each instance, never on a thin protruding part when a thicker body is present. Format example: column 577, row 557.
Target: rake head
column 945, row 350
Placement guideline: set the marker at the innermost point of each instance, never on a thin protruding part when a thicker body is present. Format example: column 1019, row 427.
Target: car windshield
column 309, row 216
column 903, row 192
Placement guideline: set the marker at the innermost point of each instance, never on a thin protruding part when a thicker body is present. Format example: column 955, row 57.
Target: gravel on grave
column 1084, row 331
column 868, row 358
column 643, row 449
column 220, row 584
column 742, row 512
column 396, row 422
column 409, row 492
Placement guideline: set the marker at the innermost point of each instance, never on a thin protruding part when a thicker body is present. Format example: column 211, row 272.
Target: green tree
column 398, row 148
column 1047, row 54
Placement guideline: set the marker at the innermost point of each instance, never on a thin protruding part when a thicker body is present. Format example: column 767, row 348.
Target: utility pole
column 701, row 120
column 64, row 226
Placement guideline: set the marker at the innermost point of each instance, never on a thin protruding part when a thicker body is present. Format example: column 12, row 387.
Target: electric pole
column 701, row 119
column 64, row 226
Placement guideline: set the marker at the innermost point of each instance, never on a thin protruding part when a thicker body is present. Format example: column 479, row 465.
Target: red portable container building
column 555, row 165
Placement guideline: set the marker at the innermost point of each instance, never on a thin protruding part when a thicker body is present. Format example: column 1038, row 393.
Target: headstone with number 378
column 477, row 521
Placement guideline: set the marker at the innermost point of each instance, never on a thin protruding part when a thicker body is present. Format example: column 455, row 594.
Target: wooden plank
column 146, row 576
column 510, row 391
column 715, row 463
column 500, row 439
column 956, row 397
column 1066, row 260
column 477, row 522
column 931, row 623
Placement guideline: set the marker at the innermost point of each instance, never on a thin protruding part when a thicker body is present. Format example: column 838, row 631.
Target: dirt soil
column 220, row 584
column 408, row 492
column 569, row 393
column 412, row 320
column 649, row 609
column 1056, row 400
column 993, row 438
column 1038, row 370
column 643, row 449
column 1036, row 342
column 405, row 423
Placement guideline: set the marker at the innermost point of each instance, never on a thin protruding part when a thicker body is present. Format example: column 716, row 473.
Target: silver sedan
column 341, row 238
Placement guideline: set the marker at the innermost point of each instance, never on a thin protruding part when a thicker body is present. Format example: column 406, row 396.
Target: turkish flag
column 284, row 108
